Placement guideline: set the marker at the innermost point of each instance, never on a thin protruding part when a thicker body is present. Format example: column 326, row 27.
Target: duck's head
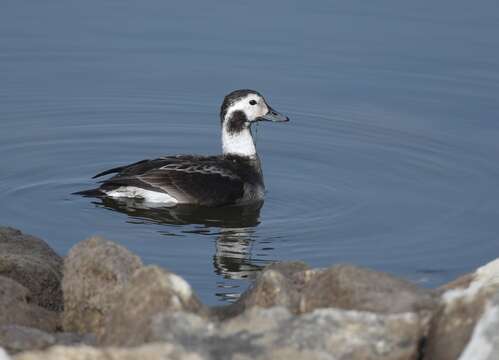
column 239, row 110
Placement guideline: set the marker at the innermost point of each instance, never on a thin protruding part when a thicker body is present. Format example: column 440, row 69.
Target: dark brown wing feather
column 209, row 181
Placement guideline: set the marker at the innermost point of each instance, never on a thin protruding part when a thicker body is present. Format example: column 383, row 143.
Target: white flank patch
column 3, row 355
column 240, row 143
column 147, row 195
column 180, row 286
column 487, row 275
column 479, row 347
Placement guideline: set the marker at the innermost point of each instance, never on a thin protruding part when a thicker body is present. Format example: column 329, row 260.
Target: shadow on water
column 233, row 228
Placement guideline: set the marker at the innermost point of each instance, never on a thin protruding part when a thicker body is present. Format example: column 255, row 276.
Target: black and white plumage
column 231, row 178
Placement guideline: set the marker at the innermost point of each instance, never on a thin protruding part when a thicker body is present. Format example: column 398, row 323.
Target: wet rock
column 460, row 309
column 347, row 287
column 162, row 351
column 16, row 308
column 150, row 291
column 94, row 270
column 275, row 333
column 32, row 263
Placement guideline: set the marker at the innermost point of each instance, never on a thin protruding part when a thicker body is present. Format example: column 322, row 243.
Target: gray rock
column 461, row 307
column 275, row 333
column 452, row 326
column 344, row 286
column 94, row 270
column 32, row 263
column 150, row 291
column 162, row 351
column 277, row 285
column 270, row 289
column 15, row 338
column 354, row 288
column 15, row 308
column 65, row 338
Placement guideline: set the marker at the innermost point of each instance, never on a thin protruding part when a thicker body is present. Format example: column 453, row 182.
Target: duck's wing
column 189, row 179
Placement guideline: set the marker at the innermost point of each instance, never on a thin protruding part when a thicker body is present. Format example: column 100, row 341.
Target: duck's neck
column 238, row 143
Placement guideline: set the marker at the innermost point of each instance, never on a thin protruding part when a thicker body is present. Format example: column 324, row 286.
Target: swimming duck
column 235, row 177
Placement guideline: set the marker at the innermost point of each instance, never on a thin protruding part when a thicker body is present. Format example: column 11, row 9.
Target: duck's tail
column 90, row 193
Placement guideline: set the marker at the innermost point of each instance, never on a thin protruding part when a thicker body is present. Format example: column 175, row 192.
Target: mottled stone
column 257, row 320
column 348, row 287
column 94, row 270
column 274, row 333
column 15, row 338
column 274, row 286
column 16, row 308
column 460, row 309
column 32, row 263
column 162, row 351
column 150, row 291
column 484, row 343
column 354, row 288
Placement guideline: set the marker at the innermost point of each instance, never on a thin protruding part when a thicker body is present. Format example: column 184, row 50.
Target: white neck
column 240, row 143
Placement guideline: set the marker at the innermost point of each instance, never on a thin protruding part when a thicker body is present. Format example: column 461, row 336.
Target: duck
column 232, row 178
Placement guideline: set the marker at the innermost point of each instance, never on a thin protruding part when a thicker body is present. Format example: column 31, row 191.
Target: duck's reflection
column 232, row 226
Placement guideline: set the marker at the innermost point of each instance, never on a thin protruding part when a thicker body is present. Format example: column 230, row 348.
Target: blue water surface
column 390, row 160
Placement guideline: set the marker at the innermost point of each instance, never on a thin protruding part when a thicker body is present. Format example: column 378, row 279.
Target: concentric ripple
column 389, row 160
column 341, row 188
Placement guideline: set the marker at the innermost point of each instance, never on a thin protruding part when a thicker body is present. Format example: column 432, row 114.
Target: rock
column 272, row 333
column 275, row 333
column 350, row 335
column 460, row 309
column 94, row 270
column 32, row 263
column 3, row 355
column 484, row 343
column 274, row 286
column 15, row 338
column 15, row 308
column 162, row 351
column 150, row 291
column 347, row 287
column 354, row 288
column 65, row 338
column 258, row 320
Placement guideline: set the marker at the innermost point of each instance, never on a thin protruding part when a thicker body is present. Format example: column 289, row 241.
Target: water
column 389, row 161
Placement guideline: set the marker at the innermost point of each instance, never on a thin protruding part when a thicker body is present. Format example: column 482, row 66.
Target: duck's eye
column 252, row 102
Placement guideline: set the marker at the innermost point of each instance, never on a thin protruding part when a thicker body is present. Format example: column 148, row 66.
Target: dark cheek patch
column 237, row 122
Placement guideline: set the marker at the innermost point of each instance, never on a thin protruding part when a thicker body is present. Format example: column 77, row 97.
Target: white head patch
column 252, row 105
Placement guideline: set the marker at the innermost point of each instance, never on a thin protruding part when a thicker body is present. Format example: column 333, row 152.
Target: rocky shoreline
column 101, row 302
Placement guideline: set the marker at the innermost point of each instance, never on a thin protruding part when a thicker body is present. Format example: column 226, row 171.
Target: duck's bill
column 274, row 116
